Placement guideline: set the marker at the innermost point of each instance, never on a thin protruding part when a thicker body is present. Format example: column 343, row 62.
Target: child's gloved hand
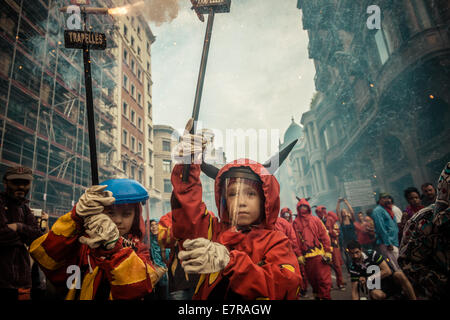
column 93, row 201
column 191, row 146
column 203, row 256
column 101, row 231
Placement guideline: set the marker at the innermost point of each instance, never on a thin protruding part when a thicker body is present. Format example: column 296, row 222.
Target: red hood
column 303, row 201
column 319, row 211
column 333, row 215
column 270, row 186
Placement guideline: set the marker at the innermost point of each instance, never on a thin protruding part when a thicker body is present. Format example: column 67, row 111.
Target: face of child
column 122, row 216
column 154, row 227
column 244, row 203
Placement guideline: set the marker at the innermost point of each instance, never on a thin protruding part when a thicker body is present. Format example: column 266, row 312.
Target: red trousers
column 319, row 277
column 337, row 266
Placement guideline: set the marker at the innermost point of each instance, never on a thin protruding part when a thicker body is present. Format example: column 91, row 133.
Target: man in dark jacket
column 18, row 228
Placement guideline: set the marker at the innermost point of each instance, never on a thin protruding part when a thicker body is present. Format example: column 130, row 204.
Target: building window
column 133, row 116
column 125, row 82
column 140, row 175
column 148, row 66
column 133, row 66
column 150, row 157
column 125, row 137
column 125, row 31
column 380, row 40
column 139, row 123
column 124, row 166
column 166, row 146
column 167, row 164
column 140, row 148
column 133, row 172
column 139, row 51
column 149, row 88
column 125, row 56
column 132, row 41
column 133, row 91
column 139, row 74
column 150, row 182
column 148, row 47
column 125, row 109
column 133, row 143
column 167, row 186
column 139, row 30
column 139, row 99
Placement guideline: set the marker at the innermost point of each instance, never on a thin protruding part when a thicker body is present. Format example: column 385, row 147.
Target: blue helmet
column 126, row 191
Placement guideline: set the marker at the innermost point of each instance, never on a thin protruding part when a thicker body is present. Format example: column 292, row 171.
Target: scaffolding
column 43, row 121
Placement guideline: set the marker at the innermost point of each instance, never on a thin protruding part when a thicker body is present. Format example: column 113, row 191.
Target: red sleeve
column 190, row 218
column 277, row 277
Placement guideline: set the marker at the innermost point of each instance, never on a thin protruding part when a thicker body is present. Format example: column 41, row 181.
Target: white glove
column 203, row 256
column 190, row 145
column 94, row 200
column 101, row 231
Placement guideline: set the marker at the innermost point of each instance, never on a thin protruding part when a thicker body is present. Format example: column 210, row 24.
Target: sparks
column 118, row 11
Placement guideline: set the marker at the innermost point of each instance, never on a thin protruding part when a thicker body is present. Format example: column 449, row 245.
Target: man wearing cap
column 386, row 230
column 18, row 228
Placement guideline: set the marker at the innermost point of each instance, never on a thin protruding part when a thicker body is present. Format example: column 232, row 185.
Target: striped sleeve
column 131, row 274
column 58, row 248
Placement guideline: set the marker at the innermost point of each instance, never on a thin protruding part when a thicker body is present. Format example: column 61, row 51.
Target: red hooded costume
column 262, row 263
column 314, row 243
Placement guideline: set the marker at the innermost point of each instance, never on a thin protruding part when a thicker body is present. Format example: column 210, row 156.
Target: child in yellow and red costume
column 102, row 235
column 240, row 256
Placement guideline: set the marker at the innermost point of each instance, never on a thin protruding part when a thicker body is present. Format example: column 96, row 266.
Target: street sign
column 360, row 193
column 219, row 6
column 80, row 2
column 74, row 39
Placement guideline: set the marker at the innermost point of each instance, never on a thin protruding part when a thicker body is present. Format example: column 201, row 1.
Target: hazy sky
column 258, row 73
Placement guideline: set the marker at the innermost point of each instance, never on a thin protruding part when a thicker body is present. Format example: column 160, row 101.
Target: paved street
column 336, row 294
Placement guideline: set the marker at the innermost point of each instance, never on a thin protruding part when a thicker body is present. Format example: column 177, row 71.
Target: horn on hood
column 212, row 171
column 281, row 155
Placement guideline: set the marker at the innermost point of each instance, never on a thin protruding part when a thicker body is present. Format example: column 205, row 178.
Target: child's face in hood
column 122, row 216
column 244, row 202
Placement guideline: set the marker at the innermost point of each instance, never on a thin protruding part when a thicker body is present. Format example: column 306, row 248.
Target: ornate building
column 384, row 94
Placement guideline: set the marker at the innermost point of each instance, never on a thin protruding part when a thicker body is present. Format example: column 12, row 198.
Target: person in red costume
column 286, row 213
column 330, row 221
column 315, row 246
column 240, row 256
column 284, row 224
column 103, row 236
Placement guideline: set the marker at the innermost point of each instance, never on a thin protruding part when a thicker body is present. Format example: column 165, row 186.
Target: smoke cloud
column 155, row 11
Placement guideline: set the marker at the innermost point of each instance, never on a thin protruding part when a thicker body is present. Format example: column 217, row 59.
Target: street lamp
column 201, row 7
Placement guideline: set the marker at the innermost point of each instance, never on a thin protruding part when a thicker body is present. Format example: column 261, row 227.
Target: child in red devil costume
column 240, row 256
column 315, row 245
